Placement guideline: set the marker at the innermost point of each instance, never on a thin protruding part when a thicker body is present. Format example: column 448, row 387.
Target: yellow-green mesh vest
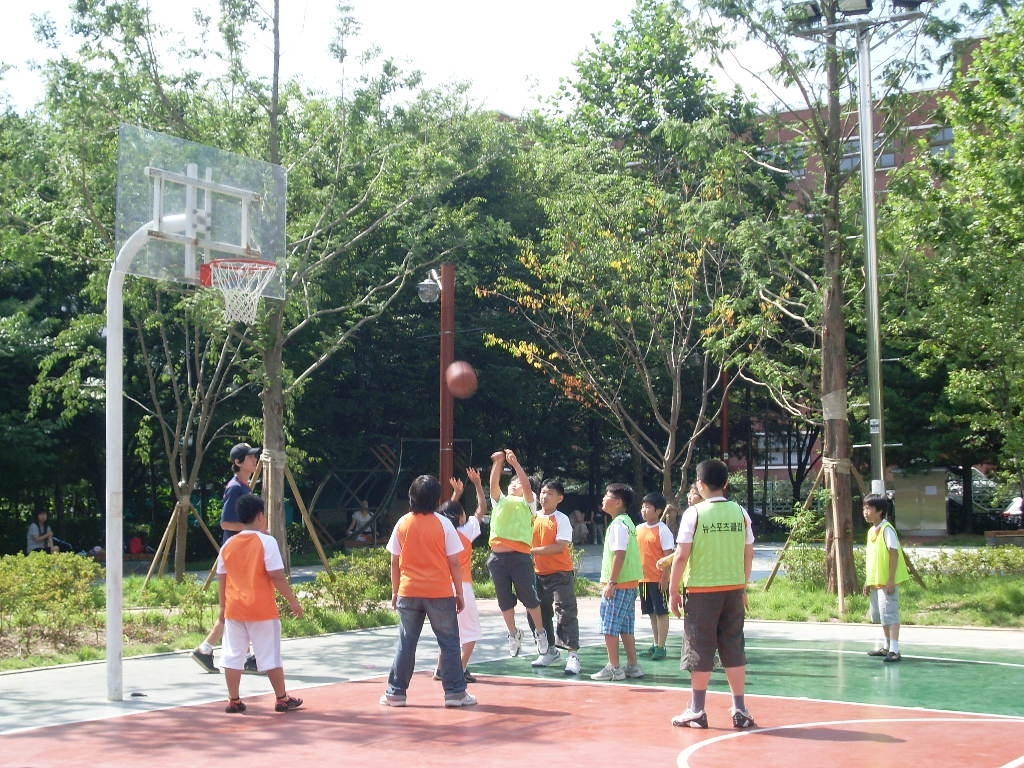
column 719, row 539
column 631, row 568
column 512, row 520
column 876, row 566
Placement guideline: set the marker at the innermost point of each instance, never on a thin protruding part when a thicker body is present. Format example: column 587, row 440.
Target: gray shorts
column 513, row 577
column 884, row 608
column 713, row 621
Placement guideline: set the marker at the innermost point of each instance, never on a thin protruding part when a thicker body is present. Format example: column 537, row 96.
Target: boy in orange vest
column 250, row 568
column 426, row 584
column 655, row 541
column 556, row 577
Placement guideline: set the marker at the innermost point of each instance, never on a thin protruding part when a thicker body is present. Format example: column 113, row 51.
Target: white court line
column 837, row 651
column 683, row 760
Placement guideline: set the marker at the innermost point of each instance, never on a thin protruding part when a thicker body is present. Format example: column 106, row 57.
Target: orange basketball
column 461, row 379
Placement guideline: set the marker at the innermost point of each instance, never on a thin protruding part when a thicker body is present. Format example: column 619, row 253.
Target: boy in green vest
column 620, row 575
column 714, row 555
column 511, row 539
column 885, row 570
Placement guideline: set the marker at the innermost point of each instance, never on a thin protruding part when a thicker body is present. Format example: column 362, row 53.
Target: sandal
column 287, row 703
column 235, row 706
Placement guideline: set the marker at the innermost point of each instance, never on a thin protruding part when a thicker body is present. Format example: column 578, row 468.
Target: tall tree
column 633, row 290
column 373, row 184
column 956, row 231
column 809, row 80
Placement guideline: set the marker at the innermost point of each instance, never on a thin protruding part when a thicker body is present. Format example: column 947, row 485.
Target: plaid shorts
column 619, row 613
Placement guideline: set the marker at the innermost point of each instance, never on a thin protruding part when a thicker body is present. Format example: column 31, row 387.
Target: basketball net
column 241, row 282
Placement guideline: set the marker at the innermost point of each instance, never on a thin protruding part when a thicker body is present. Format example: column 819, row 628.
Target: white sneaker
column 633, row 670
column 547, row 659
column 463, row 700
column 572, row 664
column 392, row 700
column 608, row 672
column 515, row 642
column 691, row 719
column 543, row 646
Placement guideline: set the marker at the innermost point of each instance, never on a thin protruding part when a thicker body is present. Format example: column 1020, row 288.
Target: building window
column 941, row 141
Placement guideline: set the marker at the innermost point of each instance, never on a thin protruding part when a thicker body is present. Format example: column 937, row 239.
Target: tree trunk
column 272, row 397
column 836, row 428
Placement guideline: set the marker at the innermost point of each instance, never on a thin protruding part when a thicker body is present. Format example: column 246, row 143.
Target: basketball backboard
column 197, row 203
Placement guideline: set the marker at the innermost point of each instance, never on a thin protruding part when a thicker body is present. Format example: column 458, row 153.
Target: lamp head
column 908, row 5
column 429, row 289
column 853, row 7
column 805, row 14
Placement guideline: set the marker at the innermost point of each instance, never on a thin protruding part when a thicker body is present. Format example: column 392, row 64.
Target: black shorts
column 653, row 599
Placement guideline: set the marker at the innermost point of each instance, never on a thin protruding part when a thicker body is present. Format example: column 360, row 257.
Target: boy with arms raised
column 511, row 538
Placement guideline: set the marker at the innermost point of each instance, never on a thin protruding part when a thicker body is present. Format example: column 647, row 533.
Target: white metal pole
column 867, row 175
column 115, row 512
column 115, row 451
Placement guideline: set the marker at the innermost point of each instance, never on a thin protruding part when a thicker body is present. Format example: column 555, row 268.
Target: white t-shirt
column 892, row 541
column 452, row 542
column 617, row 535
column 471, row 528
column 272, row 559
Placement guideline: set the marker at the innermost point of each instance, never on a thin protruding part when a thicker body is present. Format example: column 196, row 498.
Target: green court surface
column 950, row 679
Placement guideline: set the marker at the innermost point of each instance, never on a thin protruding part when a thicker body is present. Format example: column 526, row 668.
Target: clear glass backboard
column 197, row 203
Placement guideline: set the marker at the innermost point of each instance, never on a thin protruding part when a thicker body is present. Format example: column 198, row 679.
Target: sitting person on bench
column 362, row 523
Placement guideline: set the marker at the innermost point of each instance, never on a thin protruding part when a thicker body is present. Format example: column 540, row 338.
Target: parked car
column 986, row 509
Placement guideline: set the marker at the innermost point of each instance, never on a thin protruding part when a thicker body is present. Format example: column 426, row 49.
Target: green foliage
column 480, row 572
column 969, row 563
column 807, row 523
column 48, row 600
column 194, row 603
column 956, row 230
column 361, row 582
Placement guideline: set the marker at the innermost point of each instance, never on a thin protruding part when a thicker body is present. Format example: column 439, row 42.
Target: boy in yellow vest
column 885, row 570
column 511, row 539
column 714, row 555
column 620, row 575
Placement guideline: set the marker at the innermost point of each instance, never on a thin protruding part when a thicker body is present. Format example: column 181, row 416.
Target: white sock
column 894, row 646
column 205, row 647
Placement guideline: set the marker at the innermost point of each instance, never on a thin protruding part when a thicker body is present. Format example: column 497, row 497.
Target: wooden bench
column 1003, row 538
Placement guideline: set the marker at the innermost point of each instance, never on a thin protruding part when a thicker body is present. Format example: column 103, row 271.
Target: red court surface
column 524, row 720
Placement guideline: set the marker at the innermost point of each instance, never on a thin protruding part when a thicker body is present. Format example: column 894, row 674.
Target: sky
column 513, row 53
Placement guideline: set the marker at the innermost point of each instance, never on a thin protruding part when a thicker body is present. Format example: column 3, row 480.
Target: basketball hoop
column 241, row 281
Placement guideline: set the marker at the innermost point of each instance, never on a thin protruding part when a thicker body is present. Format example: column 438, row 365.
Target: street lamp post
column 432, row 288
column 867, row 175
